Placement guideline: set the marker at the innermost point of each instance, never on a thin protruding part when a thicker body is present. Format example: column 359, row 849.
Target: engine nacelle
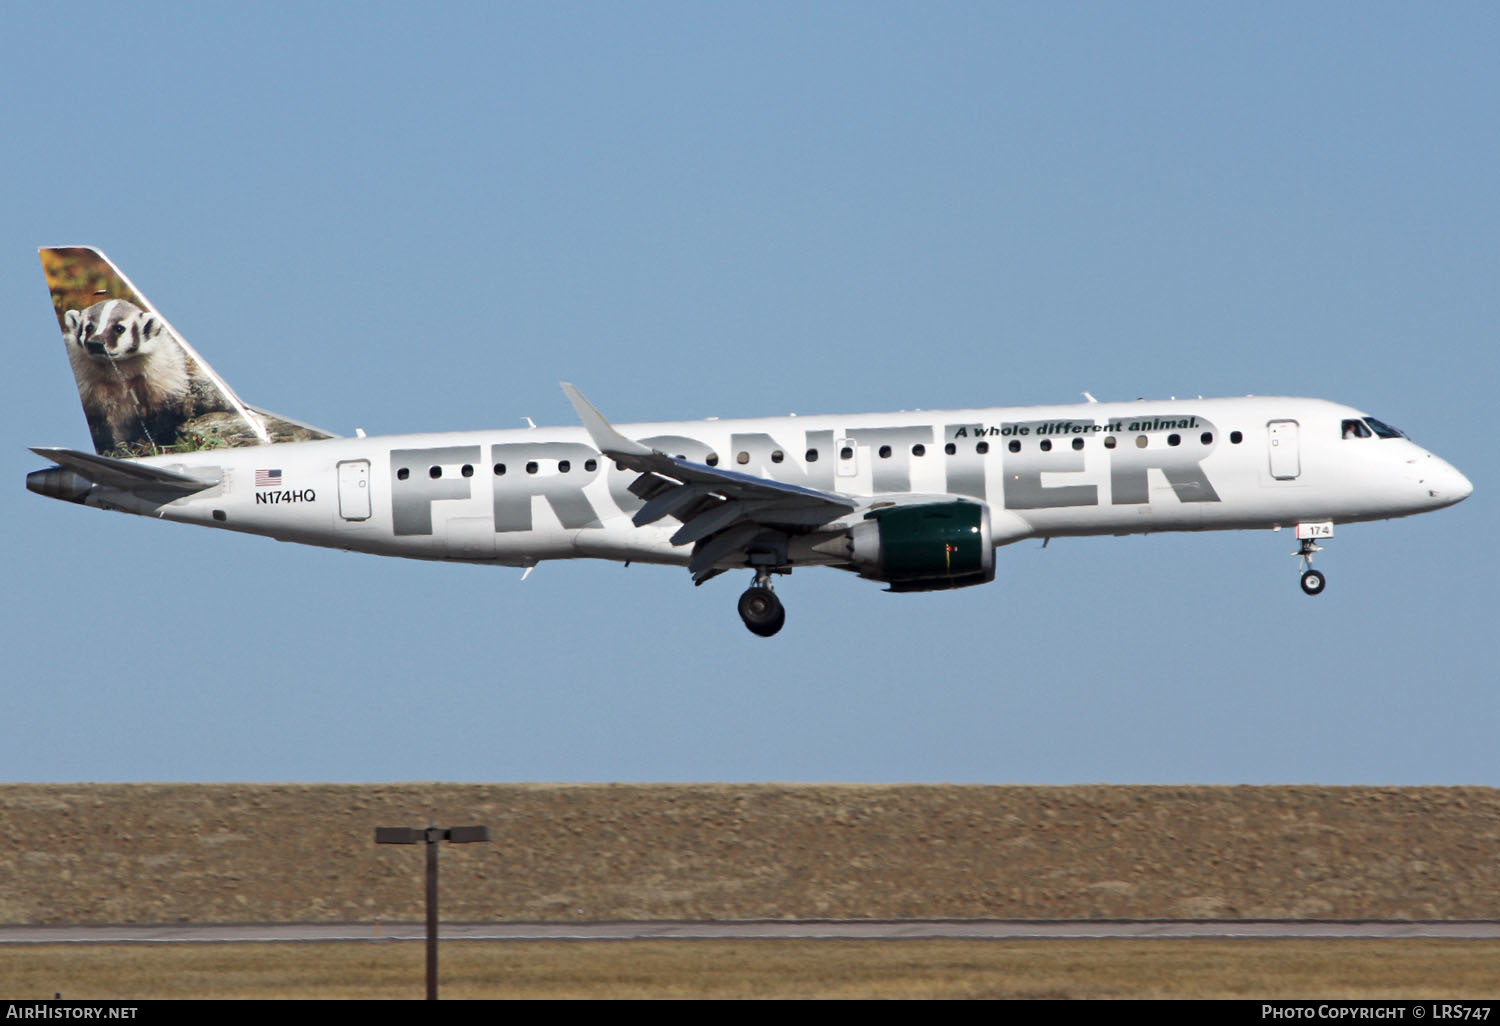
column 925, row 547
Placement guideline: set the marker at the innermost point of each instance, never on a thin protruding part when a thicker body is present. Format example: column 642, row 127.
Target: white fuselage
column 518, row 497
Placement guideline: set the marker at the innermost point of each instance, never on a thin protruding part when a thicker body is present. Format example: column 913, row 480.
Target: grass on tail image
column 144, row 390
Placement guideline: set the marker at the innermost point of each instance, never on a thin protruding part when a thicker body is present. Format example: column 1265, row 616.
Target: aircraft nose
column 1462, row 486
column 1447, row 484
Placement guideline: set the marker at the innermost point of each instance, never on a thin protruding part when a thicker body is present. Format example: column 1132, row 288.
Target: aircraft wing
column 724, row 513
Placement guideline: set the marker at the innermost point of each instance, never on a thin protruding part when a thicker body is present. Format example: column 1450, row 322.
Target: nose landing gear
column 1313, row 581
column 761, row 610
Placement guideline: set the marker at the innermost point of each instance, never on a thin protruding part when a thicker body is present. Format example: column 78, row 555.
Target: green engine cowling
column 927, row 547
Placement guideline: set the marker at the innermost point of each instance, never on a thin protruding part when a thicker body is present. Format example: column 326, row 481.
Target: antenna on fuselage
column 1090, row 398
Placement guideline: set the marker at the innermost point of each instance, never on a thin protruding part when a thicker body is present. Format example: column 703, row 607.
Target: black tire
column 1313, row 582
column 762, row 611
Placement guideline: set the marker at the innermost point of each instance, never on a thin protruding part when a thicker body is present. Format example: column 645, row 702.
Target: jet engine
column 927, row 546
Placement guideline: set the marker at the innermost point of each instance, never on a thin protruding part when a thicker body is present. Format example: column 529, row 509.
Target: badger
column 133, row 377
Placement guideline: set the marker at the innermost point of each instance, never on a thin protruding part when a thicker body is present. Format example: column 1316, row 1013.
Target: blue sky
column 402, row 218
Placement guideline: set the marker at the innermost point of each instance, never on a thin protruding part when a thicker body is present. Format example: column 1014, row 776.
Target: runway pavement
column 960, row 929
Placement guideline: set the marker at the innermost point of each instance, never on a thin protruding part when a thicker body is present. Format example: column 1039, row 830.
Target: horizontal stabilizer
column 125, row 475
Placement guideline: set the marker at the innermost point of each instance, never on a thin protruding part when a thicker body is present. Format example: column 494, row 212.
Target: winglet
column 609, row 441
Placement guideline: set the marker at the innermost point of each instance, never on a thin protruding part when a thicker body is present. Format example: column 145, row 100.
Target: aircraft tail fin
column 144, row 389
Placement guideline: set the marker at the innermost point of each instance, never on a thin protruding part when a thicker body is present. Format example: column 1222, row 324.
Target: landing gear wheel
column 1313, row 582
column 762, row 611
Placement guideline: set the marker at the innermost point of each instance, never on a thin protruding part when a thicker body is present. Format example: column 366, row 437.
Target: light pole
column 431, row 836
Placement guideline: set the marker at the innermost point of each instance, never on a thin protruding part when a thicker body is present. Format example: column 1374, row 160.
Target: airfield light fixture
column 430, row 836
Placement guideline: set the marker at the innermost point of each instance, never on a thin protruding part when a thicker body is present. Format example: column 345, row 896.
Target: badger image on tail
column 144, row 390
column 133, row 378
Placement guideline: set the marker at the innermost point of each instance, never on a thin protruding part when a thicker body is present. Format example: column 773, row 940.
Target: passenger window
column 591, row 465
column 468, row 470
column 1109, row 441
column 1235, row 438
column 563, row 466
column 846, row 453
column 531, row 468
column 435, row 472
column 1207, row 438
column 885, row 452
column 742, row 458
column 1174, row 439
column 777, row 456
column 950, row 448
column 811, row 455
column 712, row 459
column 403, row 474
column 1046, row 445
column 499, row 469
column 1141, row 441
column 919, row 450
column 982, row 448
column 1078, row 443
column 1015, row 445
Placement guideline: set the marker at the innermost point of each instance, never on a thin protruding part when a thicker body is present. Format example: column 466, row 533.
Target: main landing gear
column 761, row 610
column 1313, row 581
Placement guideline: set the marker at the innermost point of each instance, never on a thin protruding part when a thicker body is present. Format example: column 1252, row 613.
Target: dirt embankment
column 121, row 853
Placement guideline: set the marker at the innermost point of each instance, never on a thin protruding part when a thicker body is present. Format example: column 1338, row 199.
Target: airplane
column 918, row 501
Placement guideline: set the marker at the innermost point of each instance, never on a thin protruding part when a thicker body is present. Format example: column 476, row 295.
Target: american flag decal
column 268, row 479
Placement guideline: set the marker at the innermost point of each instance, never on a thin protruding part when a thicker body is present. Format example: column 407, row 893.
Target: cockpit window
column 1356, row 429
column 1382, row 429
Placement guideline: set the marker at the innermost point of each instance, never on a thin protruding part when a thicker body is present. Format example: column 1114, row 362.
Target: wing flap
column 714, row 520
column 668, row 502
column 721, row 546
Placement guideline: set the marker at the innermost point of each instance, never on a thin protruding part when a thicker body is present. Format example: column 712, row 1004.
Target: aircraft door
column 1286, row 458
column 848, row 457
column 354, row 490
